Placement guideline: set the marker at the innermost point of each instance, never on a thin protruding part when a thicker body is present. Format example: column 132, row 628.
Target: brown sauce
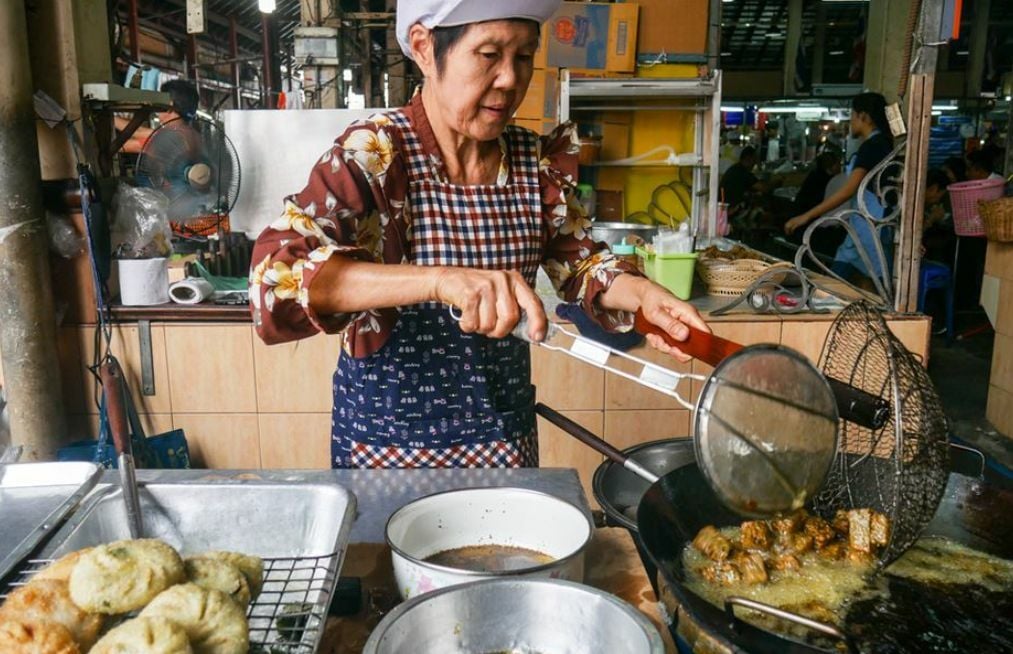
column 490, row 558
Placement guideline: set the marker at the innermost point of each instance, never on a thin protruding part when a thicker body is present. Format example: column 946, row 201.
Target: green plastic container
column 673, row 271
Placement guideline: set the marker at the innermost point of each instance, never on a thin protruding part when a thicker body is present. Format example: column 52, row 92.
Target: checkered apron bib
column 432, row 396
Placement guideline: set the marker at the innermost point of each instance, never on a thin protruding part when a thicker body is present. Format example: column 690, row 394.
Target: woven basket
column 964, row 197
column 731, row 278
column 998, row 217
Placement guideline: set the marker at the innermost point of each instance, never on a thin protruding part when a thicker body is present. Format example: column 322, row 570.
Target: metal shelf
column 592, row 94
column 625, row 87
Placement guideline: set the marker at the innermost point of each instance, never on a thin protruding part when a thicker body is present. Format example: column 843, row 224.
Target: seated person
column 737, row 184
column 814, row 190
column 938, row 238
column 955, row 169
column 185, row 101
column 979, row 166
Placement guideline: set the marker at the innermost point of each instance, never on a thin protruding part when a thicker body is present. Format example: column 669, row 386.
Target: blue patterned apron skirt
column 432, row 396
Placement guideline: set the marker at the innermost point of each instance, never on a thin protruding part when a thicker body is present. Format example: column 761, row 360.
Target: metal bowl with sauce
column 529, row 616
column 479, row 533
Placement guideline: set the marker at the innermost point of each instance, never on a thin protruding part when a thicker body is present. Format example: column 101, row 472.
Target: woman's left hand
column 671, row 314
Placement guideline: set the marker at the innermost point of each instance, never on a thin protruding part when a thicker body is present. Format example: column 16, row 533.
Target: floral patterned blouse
column 355, row 206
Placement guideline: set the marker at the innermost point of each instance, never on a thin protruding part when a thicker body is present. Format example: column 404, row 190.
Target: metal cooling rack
column 297, row 591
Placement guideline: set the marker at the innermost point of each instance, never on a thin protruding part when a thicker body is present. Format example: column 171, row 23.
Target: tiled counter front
column 244, row 404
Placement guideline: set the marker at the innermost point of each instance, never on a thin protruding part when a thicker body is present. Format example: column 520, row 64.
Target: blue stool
column 937, row 276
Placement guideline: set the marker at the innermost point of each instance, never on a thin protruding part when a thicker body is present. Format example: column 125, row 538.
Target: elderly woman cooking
column 443, row 204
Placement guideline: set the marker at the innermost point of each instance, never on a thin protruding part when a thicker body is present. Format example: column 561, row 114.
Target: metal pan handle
column 815, row 625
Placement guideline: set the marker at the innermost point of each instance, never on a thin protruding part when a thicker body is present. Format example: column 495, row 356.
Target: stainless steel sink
column 261, row 518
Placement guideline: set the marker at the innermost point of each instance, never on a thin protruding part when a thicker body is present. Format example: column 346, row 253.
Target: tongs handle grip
column 700, row 345
column 112, row 387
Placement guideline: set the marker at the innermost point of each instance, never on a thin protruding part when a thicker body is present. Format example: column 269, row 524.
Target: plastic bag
column 63, row 237
column 674, row 241
column 140, row 228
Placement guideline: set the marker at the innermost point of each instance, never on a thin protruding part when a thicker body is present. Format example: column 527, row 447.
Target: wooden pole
column 135, row 41
column 920, row 88
column 27, row 318
column 265, row 46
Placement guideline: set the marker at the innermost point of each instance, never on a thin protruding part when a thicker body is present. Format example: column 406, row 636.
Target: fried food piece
column 213, row 621
column 722, row 572
column 858, row 557
column 60, row 569
column 840, row 522
column 145, row 636
column 797, row 543
column 48, row 600
column 816, row 610
column 819, row 530
column 219, row 575
column 25, row 637
column 784, row 562
column 251, row 566
column 879, row 530
column 712, row 544
column 756, row 535
column 835, row 551
column 124, row 575
column 751, row 567
column 860, row 530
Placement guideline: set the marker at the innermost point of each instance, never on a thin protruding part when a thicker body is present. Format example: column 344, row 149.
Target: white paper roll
column 192, row 290
column 144, row 282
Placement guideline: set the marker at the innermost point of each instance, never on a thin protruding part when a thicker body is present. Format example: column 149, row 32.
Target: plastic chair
column 937, row 276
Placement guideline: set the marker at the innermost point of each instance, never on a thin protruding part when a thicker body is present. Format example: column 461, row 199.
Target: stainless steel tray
column 35, row 498
column 299, row 526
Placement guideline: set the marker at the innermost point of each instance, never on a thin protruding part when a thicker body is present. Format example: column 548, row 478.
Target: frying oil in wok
column 939, row 597
column 490, row 558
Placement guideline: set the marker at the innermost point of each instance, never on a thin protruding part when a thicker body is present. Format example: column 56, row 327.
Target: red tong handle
column 700, row 345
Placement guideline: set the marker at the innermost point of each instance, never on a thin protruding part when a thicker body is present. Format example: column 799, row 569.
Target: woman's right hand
column 491, row 301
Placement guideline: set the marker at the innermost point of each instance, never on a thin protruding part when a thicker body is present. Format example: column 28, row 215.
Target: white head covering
column 447, row 13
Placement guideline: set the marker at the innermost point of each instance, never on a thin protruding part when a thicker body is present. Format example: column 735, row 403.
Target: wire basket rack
column 900, row 469
column 289, row 615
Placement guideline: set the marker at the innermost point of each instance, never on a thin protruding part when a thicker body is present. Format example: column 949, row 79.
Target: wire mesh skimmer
column 901, row 468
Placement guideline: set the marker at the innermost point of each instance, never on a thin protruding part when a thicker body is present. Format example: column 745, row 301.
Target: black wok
column 674, row 509
column 972, row 512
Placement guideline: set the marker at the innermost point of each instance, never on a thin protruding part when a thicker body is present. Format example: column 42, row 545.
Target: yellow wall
column 651, row 129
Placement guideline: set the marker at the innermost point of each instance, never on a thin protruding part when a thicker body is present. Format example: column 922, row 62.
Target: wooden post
column 191, row 56
column 920, row 88
column 135, row 41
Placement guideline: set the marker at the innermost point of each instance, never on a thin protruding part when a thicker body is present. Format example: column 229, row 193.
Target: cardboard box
column 593, row 36
column 672, row 28
column 541, row 100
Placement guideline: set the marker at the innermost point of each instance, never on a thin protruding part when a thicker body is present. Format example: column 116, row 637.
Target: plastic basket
column 964, row 197
column 673, row 271
column 998, row 218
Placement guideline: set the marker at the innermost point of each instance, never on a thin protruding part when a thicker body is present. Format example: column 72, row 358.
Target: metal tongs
column 112, row 376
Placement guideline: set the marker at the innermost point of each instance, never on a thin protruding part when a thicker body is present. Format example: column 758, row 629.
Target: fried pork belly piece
column 751, row 567
column 834, row 551
column 860, row 530
column 840, row 522
column 785, row 562
column 756, row 535
column 815, row 609
column 879, row 530
column 722, row 572
column 712, row 544
column 819, row 530
column 858, row 557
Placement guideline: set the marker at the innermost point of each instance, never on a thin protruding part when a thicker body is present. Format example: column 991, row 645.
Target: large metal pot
column 514, row 517
column 515, row 615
